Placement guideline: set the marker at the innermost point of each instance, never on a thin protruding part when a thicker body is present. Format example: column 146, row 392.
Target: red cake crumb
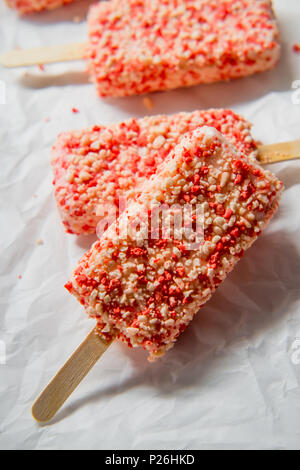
column 296, row 48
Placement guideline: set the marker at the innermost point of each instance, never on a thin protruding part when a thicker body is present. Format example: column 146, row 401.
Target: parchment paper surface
column 233, row 379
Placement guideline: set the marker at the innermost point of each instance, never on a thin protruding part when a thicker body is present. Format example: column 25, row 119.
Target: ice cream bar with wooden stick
column 145, row 279
column 138, row 47
column 147, row 289
column 143, row 46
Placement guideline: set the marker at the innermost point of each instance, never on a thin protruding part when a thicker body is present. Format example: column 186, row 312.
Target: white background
column 230, row 382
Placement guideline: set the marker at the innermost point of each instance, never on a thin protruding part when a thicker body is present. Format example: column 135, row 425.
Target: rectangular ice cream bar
column 144, row 282
column 143, row 46
column 29, row 6
column 95, row 167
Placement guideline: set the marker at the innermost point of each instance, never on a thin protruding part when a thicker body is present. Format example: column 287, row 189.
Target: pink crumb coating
column 95, row 167
column 146, row 290
column 140, row 46
column 29, row 6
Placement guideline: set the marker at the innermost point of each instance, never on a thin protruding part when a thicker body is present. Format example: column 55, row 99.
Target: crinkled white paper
column 233, row 379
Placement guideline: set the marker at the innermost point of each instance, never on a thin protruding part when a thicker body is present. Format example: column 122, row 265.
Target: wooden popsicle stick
column 69, row 377
column 43, row 55
column 279, row 152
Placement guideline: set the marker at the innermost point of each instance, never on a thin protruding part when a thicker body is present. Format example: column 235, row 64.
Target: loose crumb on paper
column 296, row 48
column 39, row 241
column 148, row 103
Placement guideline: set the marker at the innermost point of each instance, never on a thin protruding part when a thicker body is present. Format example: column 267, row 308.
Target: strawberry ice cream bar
column 138, row 47
column 29, row 6
column 144, row 283
column 96, row 167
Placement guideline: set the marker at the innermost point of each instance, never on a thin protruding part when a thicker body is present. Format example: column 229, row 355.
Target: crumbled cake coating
column 95, row 167
column 140, row 46
column 29, row 6
column 146, row 289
